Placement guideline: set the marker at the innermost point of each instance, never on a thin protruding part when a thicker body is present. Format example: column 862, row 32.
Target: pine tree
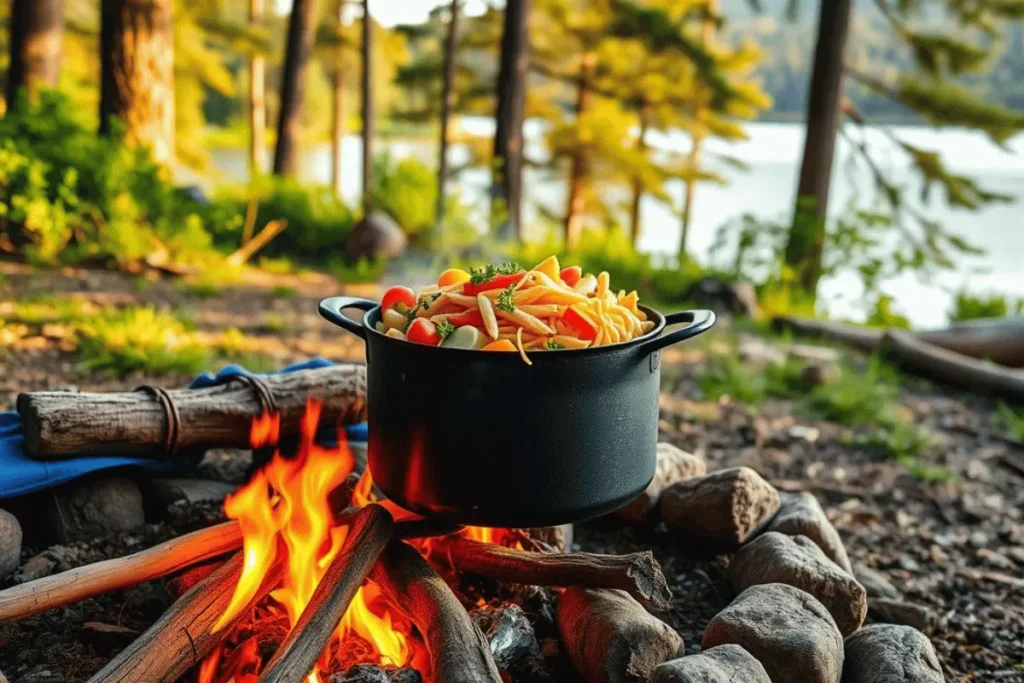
column 507, row 160
column 36, row 37
column 301, row 30
column 447, row 103
column 257, row 97
column 367, row 113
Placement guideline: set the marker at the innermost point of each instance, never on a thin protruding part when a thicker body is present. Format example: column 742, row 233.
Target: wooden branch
column 370, row 531
column 251, row 246
column 637, row 573
column 1000, row 340
column 60, row 424
column 941, row 365
column 862, row 338
column 459, row 652
column 33, row 597
column 182, row 637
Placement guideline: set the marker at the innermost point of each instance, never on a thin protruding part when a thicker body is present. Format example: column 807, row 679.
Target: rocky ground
column 946, row 557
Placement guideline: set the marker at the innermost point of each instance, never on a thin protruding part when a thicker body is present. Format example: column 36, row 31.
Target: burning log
column 183, row 635
column 33, row 597
column 58, row 424
column 459, row 652
column 637, row 573
column 370, row 531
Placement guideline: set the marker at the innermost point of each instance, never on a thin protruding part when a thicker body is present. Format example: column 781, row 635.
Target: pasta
column 507, row 308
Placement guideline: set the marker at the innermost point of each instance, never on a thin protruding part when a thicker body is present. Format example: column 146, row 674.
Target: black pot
column 481, row 438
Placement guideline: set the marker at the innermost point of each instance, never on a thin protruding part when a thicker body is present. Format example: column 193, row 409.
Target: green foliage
column 967, row 306
column 362, row 270
column 283, row 292
column 201, row 289
column 68, row 195
column 407, row 191
column 862, row 397
column 1012, row 421
column 882, row 315
column 140, row 339
column 274, row 322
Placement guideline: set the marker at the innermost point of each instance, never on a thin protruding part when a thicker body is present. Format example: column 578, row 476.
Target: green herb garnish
column 444, row 329
column 509, row 268
column 553, row 345
column 506, row 300
column 479, row 276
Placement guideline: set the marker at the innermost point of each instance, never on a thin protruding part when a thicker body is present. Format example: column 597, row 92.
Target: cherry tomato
column 586, row 329
column 422, row 331
column 571, row 275
column 398, row 296
column 452, row 276
column 500, row 345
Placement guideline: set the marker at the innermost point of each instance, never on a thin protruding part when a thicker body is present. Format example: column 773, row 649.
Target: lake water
column 765, row 189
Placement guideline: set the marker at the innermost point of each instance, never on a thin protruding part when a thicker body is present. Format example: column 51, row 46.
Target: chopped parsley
column 553, row 345
column 506, row 300
column 478, row 276
column 444, row 329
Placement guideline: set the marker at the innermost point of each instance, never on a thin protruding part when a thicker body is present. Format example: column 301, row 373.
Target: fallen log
column 459, row 652
column 1000, row 340
column 370, row 531
column 59, row 424
column 863, row 338
column 932, row 362
column 183, row 636
column 611, row 638
column 33, row 597
column 637, row 573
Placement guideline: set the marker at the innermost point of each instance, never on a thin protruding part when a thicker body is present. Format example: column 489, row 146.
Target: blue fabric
column 19, row 474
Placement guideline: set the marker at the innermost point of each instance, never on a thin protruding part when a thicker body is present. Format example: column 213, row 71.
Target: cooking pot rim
column 659, row 319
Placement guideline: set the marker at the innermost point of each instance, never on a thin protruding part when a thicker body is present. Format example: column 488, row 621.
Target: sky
column 391, row 12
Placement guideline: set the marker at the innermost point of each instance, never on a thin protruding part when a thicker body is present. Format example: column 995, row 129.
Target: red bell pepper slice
column 586, row 329
column 497, row 282
column 473, row 318
column 571, row 275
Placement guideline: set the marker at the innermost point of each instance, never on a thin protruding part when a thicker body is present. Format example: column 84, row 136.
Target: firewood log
column 611, row 638
column 861, row 338
column 60, row 424
column 637, row 573
column 370, row 531
column 459, row 652
column 182, row 637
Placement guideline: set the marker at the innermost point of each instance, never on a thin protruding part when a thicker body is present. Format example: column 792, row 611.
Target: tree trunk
column 257, row 99
column 137, row 80
column 447, row 97
column 578, row 166
column 36, row 37
column 707, row 35
column 367, row 87
column 301, row 26
column 638, row 188
column 507, row 179
column 340, row 97
column 824, row 109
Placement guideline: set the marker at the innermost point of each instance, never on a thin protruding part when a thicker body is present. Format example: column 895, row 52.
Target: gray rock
column 36, row 567
column 611, row 638
column 559, row 538
column 168, row 491
column 883, row 653
column 10, row 544
column 895, row 611
column 817, row 374
column 725, row 506
column 798, row 562
column 723, row 297
column 376, row 236
column 722, row 664
column 674, row 464
column 801, row 515
column 787, row 630
column 93, row 506
column 509, row 632
column 875, row 582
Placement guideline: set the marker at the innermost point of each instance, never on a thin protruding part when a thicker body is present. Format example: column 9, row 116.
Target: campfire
column 324, row 577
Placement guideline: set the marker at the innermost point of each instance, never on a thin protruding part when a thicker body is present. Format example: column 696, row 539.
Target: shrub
column 142, row 338
column 407, row 191
column 67, row 194
column 967, row 306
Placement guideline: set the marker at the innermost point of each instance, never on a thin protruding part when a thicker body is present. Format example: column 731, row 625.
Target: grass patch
column 861, row 396
column 728, row 376
column 47, row 309
column 200, row 289
column 273, row 322
column 277, row 266
column 363, row 270
column 1012, row 421
column 283, row 292
column 141, row 339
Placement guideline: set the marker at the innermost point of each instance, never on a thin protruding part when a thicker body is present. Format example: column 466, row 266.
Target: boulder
column 674, row 464
column 796, row 561
column 883, row 653
column 509, row 632
column 787, row 630
column 93, row 506
column 10, row 544
column 875, row 582
column 723, row 297
column 801, row 515
column 896, row 611
column 722, row 664
column 725, row 506
column 376, row 236
column 611, row 638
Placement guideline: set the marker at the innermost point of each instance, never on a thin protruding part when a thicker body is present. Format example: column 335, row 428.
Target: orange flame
column 285, row 516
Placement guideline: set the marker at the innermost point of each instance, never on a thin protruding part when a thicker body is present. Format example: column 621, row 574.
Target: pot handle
column 700, row 321
column 331, row 310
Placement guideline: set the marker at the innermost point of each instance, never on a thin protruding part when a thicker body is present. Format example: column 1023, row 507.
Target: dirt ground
column 955, row 548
